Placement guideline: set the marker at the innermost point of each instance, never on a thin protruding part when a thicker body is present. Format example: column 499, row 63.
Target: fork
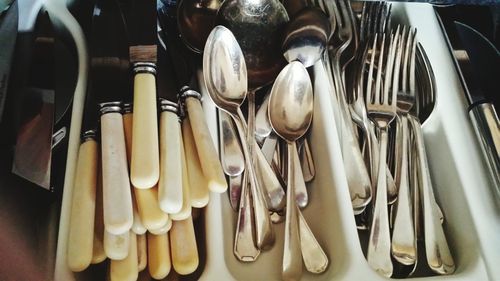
column 403, row 238
column 357, row 175
column 382, row 110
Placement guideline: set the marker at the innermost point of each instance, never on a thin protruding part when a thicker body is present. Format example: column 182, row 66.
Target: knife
column 109, row 76
column 480, row 64
column 170, row 184
column 207, row 154
column 145, row 167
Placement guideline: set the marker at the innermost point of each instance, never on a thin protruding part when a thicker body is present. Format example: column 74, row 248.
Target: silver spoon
column 290, row 114
column 225, row 74
column 306, row 37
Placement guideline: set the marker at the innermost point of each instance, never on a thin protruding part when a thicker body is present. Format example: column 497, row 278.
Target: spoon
column 306, row 36
column 225, row 74
column 290, row 113
column 195, row 20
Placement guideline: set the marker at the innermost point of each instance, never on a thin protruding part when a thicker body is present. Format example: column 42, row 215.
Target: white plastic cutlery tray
column 461, row 185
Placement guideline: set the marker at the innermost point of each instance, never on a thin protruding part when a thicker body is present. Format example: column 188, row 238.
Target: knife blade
column 109, row 76
column 145, row 167
column 479, row 63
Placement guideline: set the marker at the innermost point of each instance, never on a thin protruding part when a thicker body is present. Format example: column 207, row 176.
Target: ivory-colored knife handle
column 126, row 269
column 81, row 230
column 117, row 199
column 198, row 187
column 98, row 253
column 162, row 230
column 170, row 185
column 145, row 166
column 207, row 154
column 186, row 192
column 149, row 210
column 183, row 246
column 142, row 252
column 159, row 255
column 116, row 246
column 137, row 226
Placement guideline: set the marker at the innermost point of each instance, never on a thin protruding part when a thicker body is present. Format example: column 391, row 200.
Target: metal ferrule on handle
column 166, row 105
column 144, row 67
column 110, row 107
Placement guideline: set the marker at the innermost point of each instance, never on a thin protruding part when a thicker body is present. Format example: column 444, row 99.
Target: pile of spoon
column 225, row 74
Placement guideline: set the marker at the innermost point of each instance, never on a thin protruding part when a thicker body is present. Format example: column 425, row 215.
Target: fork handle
column 436, row 247
column 379, row 244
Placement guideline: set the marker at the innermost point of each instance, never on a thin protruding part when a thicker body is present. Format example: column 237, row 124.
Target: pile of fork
column 383, row 86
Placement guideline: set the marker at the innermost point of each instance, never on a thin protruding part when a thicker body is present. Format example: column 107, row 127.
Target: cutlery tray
column 461, row 185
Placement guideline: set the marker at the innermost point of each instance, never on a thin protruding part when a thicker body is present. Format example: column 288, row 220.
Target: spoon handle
column 232, row 159
column 292, row 255
column 244, row 245
column 313, row 255
column 264, row 232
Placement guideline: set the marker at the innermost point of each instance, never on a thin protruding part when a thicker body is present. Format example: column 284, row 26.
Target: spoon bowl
column 306, row 36
column 195, row 20
column 258, row 26
column 225, row 71
column 291, row 102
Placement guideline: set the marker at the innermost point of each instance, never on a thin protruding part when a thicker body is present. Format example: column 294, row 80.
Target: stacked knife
column 145, row 217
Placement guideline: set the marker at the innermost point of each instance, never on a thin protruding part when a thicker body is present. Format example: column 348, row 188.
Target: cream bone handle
column 149, row 210
column 81, row 229
column 126, row 269
column 142, row 252
column 170, row 185
column 137, row 226
column 98, row 253
column 186, row 201
column 159, row 262
column 116, row 246
column 183, row 246
column 145, row 166
column 207, row 154
column 198, row 186
column 117, row 198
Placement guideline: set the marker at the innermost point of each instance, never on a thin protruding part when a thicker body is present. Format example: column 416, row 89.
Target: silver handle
column 232, row 159
column 244, row 246
column 403, row 236
column 437, row 251
column 292, row 255
column 379, row 244
column 264, row 235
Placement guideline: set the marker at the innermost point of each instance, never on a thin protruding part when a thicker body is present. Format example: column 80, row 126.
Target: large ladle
column 225, row 74
column 290, row 113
